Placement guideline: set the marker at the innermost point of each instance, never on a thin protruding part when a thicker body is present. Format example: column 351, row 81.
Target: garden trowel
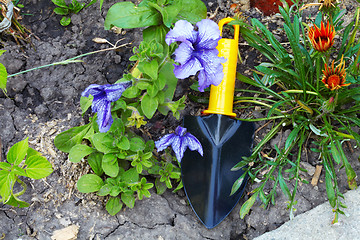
column 208, row 179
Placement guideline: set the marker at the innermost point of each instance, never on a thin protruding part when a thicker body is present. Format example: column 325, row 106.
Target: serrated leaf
column 16, row 202
column 5, row 165
column 7, row 181
column 89, row 183
column 38, row 167
column 113, row 205
column 18, row 152
column 78, row 152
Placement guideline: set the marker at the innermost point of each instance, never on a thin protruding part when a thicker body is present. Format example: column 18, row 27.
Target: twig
column 315, row 179
column 70, row 60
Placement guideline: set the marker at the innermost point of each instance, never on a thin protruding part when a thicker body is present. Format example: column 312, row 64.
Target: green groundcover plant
column 311, row 88
column 22, row 161
column 123, row 163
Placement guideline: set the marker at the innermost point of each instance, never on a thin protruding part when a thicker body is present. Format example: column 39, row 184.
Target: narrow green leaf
column 89, row 183
column 335, row 153
column 3, row 77
column 113, row 205
column 78, row 152
column 245, row 208
column 18, row 152
column 237, row 184
column 38, row 167
column 283, row 185
column 330, row 190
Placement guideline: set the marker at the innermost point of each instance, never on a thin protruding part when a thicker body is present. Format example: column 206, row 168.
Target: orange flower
column 334, row 78
column 322, row 38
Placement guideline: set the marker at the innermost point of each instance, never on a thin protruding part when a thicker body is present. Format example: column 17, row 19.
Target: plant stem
column 67, row 61
column 23, row 186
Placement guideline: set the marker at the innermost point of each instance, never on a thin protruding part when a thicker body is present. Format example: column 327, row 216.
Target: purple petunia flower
column 179, row 141
column 104, row 95
column 197, row 52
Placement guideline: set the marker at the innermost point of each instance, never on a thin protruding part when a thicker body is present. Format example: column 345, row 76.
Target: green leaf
column 128, row 199
column 61, row 11
column 192, row 10
column 66, row 140
column 19, row 171
column 89, row 183
column 110, row 165
column 155, row 33
column 237, row 184
column 127, row 15
column 65, row 21
column 152, row 90
column 95, row 160
column 60, row 3
column 78, row 152
column 292, row 136
column 85, row 103
column 160, row 186
column 150, row 68
column 245, row 208
column 137, row 144
column 335, row 153
column 104, row 142
column 38, row 167
column 3, row 77
column 149, row 106
column 7, row 181
column 105, row 190
column 5, row 165
column 113, row 205
column 16, row 202
column 124, row 143
column 330, row 189
column 283, row 185
column 130, row 176
column 18, row 152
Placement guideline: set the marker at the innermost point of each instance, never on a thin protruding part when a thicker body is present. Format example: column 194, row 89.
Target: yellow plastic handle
column 222, row 96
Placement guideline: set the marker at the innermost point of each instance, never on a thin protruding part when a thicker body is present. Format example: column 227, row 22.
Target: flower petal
column 212, row 72
column 98, row 101
column 208, row 34
column 188, row 69
column 193, row 143
column 179, row 147
column 183, row 31
column 104, row 119
column 180, row 131
column 93, row 89
column 164, row 142
column 114, row 92
column 183, row 53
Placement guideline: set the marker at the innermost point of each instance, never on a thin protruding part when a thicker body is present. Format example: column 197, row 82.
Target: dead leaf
column 68, row 233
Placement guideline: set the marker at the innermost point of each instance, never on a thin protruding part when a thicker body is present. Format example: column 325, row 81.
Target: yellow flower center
column 333, row 81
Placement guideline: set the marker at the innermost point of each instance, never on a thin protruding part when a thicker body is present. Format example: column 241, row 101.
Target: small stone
column 68, row 233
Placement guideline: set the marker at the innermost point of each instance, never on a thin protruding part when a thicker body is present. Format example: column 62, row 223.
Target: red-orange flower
column 334, row 78
column 322, row 38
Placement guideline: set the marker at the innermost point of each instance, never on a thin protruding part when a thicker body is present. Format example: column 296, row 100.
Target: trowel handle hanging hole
column 226, row 31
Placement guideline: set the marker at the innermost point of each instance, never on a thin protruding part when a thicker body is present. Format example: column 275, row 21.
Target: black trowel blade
column 208, row 179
